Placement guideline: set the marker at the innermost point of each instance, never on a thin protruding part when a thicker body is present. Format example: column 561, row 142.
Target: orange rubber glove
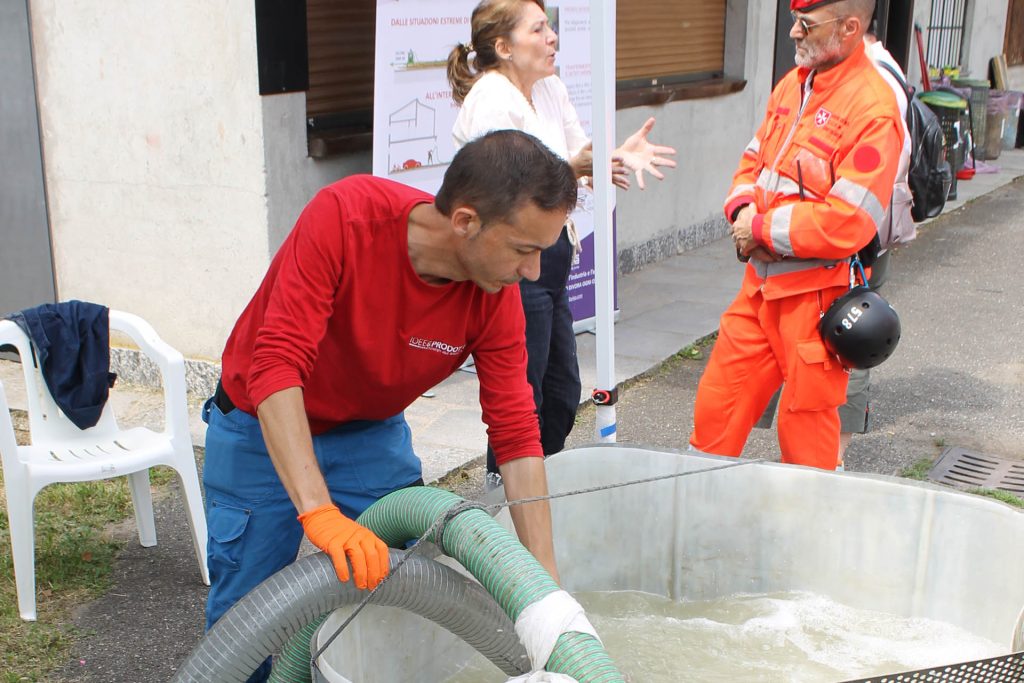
column 341, row 538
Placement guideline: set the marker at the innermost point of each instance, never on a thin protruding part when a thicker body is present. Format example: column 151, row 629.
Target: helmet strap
column 856, row 265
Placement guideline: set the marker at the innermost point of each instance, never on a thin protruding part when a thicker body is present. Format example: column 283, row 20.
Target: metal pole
column 602, row 60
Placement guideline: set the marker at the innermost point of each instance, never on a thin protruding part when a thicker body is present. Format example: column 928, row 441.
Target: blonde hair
column 492, row 19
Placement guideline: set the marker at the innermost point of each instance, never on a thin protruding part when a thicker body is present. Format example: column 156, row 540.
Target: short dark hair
column 502, row 171
column 862, row 9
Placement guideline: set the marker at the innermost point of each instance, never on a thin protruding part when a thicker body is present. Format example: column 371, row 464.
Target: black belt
column 222, row 400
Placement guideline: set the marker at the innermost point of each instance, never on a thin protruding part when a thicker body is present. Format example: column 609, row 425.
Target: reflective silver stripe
column 769, row 181
column 791, row 265
column 754, row 146
column 779, row 232
column 861, row 197
column 740, row 190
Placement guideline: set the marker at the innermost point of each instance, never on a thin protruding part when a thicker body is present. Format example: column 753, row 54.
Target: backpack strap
column 899, row 78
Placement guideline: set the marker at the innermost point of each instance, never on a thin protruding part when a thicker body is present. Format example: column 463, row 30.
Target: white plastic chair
column 61, row 452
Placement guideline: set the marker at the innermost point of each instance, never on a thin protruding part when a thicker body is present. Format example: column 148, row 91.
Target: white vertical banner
column 602, row 40
column 571, row 21
column 413, row 110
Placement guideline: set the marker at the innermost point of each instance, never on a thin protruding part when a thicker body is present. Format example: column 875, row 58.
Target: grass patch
column 73, row 559
column 1000, row 495
column 919, row 470
column 692, row 352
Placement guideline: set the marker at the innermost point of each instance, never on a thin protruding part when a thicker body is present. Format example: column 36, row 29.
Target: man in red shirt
column 379, row 293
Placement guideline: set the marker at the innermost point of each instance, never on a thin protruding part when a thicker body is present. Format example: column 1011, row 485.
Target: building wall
column 1015, row 76
column 172, row 182
column 984, row 32
column 153, row 146
column 685, row 210
column 292, row 176
column 681, row 212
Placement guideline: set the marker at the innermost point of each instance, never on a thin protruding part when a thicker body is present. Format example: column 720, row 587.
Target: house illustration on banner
column 412, row 137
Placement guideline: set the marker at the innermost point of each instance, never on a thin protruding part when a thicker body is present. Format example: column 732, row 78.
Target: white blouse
column 494, row 103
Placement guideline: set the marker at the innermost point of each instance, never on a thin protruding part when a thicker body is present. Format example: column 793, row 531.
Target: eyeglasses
column 805, row 28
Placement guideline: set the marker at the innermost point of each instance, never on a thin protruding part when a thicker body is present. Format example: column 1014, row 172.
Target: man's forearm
column 527, row 478
column 290, row 444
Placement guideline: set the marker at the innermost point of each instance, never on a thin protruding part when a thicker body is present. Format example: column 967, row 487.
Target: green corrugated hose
column 494, row 556
column 292, row 664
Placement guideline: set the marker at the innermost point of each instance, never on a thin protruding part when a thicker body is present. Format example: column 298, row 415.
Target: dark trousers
column 552, row 367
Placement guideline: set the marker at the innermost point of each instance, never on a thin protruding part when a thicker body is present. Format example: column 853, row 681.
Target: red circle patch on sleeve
column 866, row 159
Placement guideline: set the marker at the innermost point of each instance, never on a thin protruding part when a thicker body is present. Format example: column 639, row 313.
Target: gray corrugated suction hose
column 496, row 558
column 262, row 622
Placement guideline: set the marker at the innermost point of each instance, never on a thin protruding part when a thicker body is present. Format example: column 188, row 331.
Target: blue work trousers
column 253, row 530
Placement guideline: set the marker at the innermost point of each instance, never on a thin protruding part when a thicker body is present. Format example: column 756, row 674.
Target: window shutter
column 1014, row 43
column 341, row 54
column 656, row 39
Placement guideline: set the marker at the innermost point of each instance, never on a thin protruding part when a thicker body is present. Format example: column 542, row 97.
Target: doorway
column 26, row 264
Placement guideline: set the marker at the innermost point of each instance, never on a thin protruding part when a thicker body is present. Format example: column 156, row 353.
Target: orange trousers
column 762, row 344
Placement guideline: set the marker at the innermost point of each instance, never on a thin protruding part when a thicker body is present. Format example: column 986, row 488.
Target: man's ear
column 466, row 222
column 853, row 25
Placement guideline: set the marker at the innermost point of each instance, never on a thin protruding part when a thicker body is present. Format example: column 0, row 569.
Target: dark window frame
column 1013, row 41
column 946, row 25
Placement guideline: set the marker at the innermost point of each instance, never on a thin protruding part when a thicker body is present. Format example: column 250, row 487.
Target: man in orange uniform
column 810, row 191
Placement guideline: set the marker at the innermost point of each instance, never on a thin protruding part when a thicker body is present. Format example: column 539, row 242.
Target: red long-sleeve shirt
column 342, row 313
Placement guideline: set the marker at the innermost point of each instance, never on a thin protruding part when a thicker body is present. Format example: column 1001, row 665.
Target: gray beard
column 822, row 55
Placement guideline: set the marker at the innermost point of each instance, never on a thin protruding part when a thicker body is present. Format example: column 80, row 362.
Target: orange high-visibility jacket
column 820, row 172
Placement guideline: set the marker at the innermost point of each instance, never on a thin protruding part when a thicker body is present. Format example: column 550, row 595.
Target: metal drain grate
column 964, row 469
column 1008, row 669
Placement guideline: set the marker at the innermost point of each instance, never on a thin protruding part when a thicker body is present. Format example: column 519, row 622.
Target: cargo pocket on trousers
column 817, row 381
column 226, row 524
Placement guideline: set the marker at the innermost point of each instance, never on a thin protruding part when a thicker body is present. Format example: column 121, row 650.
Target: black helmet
column 861, row 328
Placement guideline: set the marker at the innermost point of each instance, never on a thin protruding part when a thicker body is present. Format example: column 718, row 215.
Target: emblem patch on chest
column 436, row 346
column 822, row 117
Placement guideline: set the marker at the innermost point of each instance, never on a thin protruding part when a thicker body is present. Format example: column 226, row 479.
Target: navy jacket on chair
column 72, row 345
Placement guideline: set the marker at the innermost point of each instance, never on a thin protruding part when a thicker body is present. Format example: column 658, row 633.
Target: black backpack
column 930, row 174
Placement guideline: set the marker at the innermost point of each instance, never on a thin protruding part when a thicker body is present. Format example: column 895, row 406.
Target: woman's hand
column 583, row 165
column 638, row 154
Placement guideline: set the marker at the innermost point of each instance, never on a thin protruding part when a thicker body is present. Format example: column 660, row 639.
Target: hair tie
column 468, row 47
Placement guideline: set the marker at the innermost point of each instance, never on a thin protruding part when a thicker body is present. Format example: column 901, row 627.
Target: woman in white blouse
column 512, row 84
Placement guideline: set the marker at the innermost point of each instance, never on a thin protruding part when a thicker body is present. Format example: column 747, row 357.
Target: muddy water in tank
column 783, row 637
column 852, row 570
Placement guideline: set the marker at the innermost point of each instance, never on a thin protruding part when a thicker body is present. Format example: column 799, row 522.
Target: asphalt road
column 957, row 378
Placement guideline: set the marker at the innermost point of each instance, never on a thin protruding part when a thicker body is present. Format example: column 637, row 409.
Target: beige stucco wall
column 153, row 148
column 293, row 177
column 171, row 181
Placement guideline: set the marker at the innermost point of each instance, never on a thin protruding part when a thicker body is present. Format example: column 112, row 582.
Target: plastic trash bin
column 1015, row 103
column 996, row 121
column 978, row 96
